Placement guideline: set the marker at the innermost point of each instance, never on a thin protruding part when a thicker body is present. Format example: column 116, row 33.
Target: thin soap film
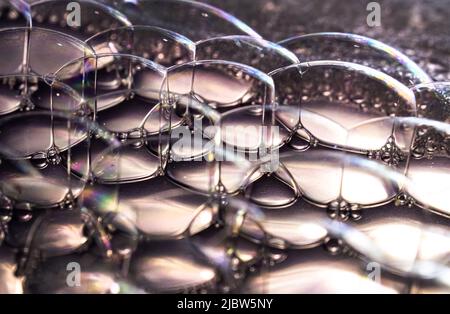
column 166, row 147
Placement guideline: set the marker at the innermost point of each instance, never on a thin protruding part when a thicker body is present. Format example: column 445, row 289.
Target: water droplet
column 39, row 160
column 300, row 143
column 272, row 191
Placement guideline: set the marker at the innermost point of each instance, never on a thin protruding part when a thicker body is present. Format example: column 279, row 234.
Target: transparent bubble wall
column 167, row 147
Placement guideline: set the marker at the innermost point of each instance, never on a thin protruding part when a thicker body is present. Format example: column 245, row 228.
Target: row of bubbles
column 163, row 146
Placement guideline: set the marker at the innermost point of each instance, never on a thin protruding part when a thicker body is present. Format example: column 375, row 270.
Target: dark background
column 421, row 29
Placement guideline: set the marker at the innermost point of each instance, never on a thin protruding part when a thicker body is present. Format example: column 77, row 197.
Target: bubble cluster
column 166, row 147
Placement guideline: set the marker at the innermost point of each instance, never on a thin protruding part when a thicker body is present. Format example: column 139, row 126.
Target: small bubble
column 25, row 216
column 39, row 160
column 334, row 246
column 53, row 156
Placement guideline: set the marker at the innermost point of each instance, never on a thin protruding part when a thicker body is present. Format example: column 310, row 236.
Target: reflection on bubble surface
column 305, row 162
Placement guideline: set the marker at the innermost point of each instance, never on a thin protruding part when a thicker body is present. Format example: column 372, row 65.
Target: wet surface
column 334, row 166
